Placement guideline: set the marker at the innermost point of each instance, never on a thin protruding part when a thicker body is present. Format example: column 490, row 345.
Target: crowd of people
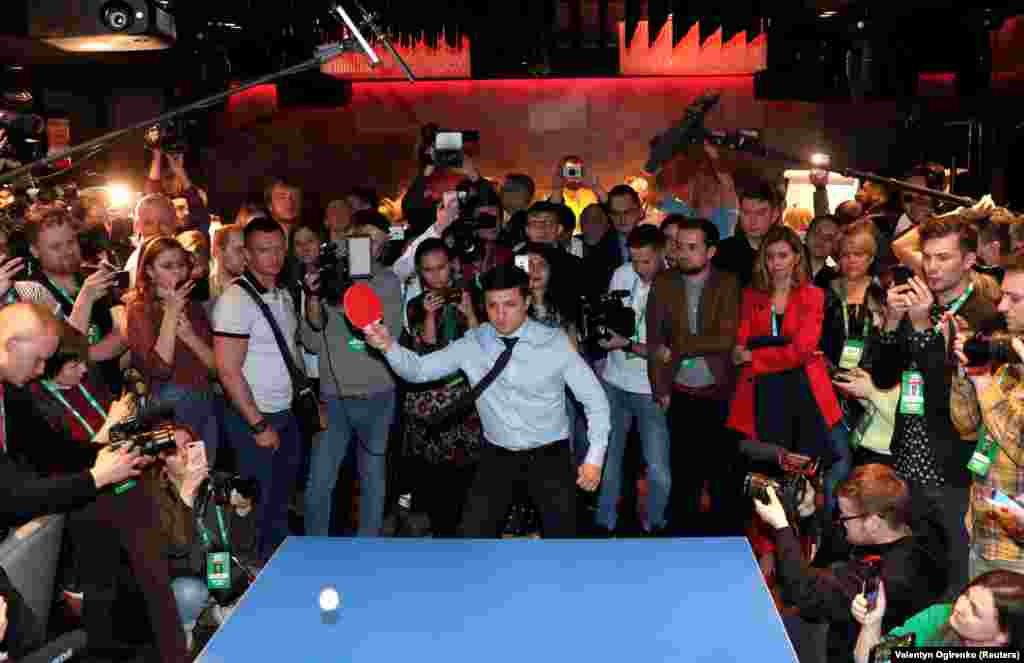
column 525, row 348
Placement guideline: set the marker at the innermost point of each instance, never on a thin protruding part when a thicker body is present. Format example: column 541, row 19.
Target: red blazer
column 802, row 324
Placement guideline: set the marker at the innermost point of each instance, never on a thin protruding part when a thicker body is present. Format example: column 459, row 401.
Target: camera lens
column 118, row 16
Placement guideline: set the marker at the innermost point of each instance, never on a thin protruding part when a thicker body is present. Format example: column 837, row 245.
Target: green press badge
column 912, row 393
column 984, row 454
column 218, row 570
column 356, row 345
column 852, row 353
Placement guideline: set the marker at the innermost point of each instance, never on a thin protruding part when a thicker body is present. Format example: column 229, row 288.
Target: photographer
column 874, row 512
column 993, row 390
column 914, row 351
column 180, row 480
column 442, row 458
column 177, row 185
column 576, row 186
column 356, row 385
column 105, row 524
column 626, row 382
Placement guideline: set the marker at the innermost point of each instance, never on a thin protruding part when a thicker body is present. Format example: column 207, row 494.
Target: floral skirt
column 458, row 441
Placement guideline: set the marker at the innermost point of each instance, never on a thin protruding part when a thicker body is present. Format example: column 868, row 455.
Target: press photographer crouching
column 211, row 546
column 987, row 394
column 874, row 512
column 112, row 516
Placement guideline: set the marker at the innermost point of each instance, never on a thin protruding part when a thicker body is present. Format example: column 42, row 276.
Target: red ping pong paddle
column 362, row 306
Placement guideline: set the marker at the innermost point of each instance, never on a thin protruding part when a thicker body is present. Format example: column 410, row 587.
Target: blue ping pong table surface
column 456, row 601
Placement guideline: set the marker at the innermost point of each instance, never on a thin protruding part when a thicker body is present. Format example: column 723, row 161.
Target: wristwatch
column 258, row 427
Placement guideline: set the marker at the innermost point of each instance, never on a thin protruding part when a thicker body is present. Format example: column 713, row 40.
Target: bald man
column 29, row 334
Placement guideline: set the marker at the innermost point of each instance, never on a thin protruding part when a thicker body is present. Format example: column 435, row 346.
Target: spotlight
column 120, row 195
column 118, row 16
column 820, row 160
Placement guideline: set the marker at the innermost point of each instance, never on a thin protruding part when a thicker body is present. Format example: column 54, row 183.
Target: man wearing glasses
column 875, row 514
column 625, row 211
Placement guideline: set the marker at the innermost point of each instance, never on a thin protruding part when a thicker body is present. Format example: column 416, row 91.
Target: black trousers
column 439, row 490
column 703, row 449
column 547, row 475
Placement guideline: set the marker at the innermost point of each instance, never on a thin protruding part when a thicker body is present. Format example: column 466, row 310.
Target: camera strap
column 299, row 379
column 55, row 392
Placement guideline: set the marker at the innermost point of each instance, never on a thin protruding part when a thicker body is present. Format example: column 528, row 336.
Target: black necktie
column 470, row 396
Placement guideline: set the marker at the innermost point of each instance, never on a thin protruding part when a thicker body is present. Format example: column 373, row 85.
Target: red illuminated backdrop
column 641, row 57
column 440, row 61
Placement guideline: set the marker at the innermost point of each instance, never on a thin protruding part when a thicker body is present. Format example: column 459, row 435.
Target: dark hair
column 261, row 225
column 938, row 227
column 876, row 488
column 558, row 294
column 644, row 236
column 625, row 190
column 367, row 195
column 520, row 182
column 762, row 190
column 506, row 277
column 709, row 229
column 279, row 181
column 1007, row 589
column 672, row 220
column 74, row 346
column 430, row 245
column 371, row 217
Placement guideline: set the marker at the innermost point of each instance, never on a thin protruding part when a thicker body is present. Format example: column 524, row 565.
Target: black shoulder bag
column 305, row 402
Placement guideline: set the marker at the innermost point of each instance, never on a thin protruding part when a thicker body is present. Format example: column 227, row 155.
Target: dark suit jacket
column 668, row 324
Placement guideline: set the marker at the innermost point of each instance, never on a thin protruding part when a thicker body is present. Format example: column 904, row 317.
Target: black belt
column 550, row 448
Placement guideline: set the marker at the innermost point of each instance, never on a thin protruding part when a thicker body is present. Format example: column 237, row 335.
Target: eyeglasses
column 842, row 520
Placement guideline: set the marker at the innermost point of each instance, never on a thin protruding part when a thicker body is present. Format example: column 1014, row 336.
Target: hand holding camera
column 768, row 506
column 98, row 284
column 114, row 465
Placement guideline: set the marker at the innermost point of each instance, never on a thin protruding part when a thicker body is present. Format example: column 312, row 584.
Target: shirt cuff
column 595, row 454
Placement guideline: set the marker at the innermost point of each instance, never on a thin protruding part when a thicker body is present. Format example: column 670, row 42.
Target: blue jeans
column 191, row 595
column 274, row 471
column 842, row 463
column 370, row 419
column 195, row 409
column 652, row 424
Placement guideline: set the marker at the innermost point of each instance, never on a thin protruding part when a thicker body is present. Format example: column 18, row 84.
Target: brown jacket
column 668, row 325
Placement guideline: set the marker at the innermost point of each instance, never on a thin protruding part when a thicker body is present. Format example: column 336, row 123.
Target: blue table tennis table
column 507, row 601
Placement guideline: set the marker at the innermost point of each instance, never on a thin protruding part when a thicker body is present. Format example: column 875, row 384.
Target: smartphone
column 572, row 171
column 871, row 591
column 360, row 259
column 195, row 455
column 122, row 279
column 523, row 263
column 901, row 274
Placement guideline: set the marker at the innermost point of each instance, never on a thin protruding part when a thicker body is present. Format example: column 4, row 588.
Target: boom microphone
column 665, row 146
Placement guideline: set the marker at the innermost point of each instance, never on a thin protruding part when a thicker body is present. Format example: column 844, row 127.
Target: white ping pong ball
column 329, row 599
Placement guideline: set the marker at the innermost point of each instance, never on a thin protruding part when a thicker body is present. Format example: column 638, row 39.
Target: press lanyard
column 641, row 313
column 94, row 330
column 846, row 316
column 52, row 388
column 775, row 322
column 957, row 303
column 204, row 534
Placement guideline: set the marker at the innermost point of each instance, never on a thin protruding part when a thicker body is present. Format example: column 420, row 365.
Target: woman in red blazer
column 783, row 302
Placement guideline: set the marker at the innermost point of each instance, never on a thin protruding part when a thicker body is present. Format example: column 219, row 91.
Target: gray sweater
column 358, row 369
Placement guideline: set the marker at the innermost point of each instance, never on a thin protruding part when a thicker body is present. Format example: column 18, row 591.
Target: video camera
column 168, row 137
column 340, row 263
column 604, row 314
column 990, row 345
column 461, row 237
column 144, row 432
column 450, row 147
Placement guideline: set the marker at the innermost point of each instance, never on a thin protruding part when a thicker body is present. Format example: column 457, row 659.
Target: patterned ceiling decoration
column 655, row 55
column 440, row 60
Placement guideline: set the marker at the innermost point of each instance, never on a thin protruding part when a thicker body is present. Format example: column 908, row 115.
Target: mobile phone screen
column 195, row 453
column 448, row 140
column 523, row 263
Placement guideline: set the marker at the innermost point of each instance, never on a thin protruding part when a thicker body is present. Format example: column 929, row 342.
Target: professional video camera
column 450, row 147
column 600, row 315
column 340, row 263
column 144, row 432
column 168, row 137
column 461, row 237
column 990, row 345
